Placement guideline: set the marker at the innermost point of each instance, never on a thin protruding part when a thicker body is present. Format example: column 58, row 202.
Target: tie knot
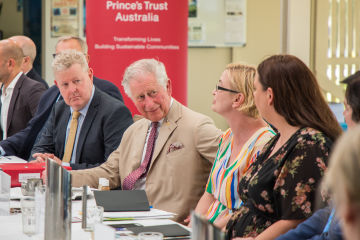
column 75, row 114
column 154, row 124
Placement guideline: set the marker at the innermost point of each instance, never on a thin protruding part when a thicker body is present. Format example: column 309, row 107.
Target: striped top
column 223, row 180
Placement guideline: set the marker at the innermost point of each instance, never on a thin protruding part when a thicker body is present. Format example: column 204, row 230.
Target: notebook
column 122, row 200
column 170, row 230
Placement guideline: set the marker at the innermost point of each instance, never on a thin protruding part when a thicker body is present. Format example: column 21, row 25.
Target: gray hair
column 343, row 171
column 82, row 43
column 65, row 59
column 144, row 66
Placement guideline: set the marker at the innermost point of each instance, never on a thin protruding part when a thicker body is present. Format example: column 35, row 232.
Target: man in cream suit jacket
column 183, row 152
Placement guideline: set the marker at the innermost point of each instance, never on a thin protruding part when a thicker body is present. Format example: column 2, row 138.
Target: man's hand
column 187, row 221
column 41, row 157
column 43, row 177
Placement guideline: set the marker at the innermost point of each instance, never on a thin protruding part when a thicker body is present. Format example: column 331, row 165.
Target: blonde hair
column 342, row 176
column 242, row 78
column 65, row 59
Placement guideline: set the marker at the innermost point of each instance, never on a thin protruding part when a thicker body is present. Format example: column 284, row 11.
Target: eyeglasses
column 217, row 88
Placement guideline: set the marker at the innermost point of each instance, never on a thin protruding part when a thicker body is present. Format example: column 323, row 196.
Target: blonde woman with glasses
column 239, row 145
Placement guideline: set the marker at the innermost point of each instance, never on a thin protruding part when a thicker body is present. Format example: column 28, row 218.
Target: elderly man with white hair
column 168, row 153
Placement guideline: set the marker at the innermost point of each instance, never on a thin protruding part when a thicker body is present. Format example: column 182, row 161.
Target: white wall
column 206, row 64
column 48, row 46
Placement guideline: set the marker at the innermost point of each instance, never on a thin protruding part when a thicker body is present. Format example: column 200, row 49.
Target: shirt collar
column 84, row 110
column 14, row 81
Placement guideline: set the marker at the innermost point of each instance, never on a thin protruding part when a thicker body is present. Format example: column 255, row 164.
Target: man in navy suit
column 21, row 143
column 20, row 95
column 100, row 119
column 29, row 49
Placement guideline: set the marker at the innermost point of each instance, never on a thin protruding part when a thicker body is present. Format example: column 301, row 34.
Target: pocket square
column 174, row 147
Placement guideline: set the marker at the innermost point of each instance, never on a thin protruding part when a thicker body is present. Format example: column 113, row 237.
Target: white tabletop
column 11, row 226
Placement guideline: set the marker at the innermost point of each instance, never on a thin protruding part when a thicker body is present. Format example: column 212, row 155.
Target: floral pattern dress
column 282, row 186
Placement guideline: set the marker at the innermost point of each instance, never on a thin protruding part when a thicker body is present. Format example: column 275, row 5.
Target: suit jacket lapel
column 168, row 126
column 139, row 148
column 61, row 127
column 13, row 100
column 85, row 128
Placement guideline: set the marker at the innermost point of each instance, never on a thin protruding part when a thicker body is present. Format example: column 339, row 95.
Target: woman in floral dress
column 239, row 145
column 278, row 191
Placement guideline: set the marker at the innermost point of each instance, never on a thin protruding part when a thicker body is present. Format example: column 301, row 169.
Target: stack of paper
column 11, row 159
column 152, row 214
column 15, row 193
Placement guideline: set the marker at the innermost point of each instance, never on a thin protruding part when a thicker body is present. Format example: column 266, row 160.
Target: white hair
column 144, row 66
column 343, row 171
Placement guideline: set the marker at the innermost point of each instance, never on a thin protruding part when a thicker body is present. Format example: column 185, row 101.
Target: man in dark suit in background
column 87, row 125
column 21, row 143
column 29, row 50
column 20, row 95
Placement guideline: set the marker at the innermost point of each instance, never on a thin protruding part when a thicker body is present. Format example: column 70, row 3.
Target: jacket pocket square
column 174, row 147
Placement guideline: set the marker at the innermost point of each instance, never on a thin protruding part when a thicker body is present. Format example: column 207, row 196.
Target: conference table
column 11, row 226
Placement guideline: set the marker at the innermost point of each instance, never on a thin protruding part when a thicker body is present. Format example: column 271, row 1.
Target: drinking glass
column 94, row 215
column 28, row 187
column 150, row 236
column 28, row 212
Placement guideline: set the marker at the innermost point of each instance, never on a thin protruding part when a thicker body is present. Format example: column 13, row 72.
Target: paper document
column 15, row 193
column 11, row 159
column 153, row 213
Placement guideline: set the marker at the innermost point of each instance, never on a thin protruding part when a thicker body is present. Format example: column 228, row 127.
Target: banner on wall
column 123, row 31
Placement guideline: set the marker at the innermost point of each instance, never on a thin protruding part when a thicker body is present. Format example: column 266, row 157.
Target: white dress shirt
column 5, row 103
column 140, row 183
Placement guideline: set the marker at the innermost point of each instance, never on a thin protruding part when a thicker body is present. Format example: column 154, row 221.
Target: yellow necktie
column 71, row 137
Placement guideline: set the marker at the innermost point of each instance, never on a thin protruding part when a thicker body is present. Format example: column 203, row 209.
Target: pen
column 118, row 219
